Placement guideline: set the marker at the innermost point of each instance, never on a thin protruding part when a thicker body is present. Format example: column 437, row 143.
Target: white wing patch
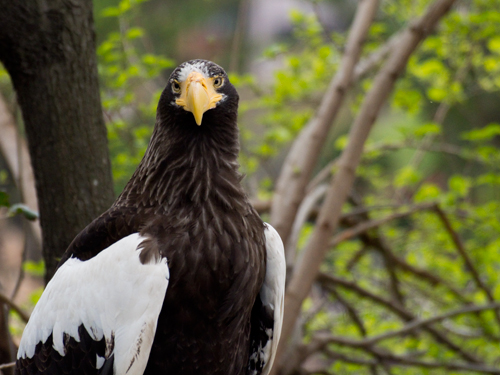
column 272, row 293
column 113, row 295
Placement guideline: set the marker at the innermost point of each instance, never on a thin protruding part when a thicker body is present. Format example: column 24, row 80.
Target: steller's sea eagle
column 180, row 276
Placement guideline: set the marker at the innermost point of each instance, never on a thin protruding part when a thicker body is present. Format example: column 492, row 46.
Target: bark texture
column 48, row 48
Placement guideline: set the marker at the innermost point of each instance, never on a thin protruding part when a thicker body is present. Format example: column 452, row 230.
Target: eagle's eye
column 176, row 88
column 218, row 81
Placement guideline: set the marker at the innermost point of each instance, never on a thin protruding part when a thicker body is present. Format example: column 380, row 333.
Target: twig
column 328, row 280
column 4, row 299
column 374, row 237
column 445, row 148
column 376, row 57
column 396, row 308
column 439, row 117
column 367, row 225
column 356, row 258
column 326, row 35
column 303, row 214
column 260, row 205
column 7, row 365
column 322, row 175
column 467, row 260
column 407, row 267
column 408, row 361
column 417, row 323
column 358, row 322
column 351, row 311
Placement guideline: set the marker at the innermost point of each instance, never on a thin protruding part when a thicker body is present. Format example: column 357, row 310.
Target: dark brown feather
column 187, row 198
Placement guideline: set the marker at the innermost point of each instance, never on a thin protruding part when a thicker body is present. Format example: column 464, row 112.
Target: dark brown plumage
column 186, row 196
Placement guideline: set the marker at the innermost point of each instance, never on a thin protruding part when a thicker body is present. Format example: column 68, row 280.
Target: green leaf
column 459, row 184
column 486, row 133
column 341, row 142
column 110, row 12
column 34, row 268
column 428, row 128
column 134, row 32
column 35, row 296
column 427, row 192
column 406, row 176
column 124, row 6
column 430, row 67
column 21, row 209
column 437, row 94
column 494, row 44
column 488, row 179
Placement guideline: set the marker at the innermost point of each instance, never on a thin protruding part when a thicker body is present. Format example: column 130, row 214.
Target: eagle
column 180, row 275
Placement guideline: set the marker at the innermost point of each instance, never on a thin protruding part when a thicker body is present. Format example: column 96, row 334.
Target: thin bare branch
column 376, row 57
column 410, row 327
column 369, row 240
column 367, row 225
column 322, row 175
column 406, row 315
column 329, row 281
column 406, row 361
column 375, row 238
column 7, row 365
column 467, row 260
column 6, row 300
column 304, row 212
column 304, row 153
column 445, row 148
column 260, row 205
column 351, row 311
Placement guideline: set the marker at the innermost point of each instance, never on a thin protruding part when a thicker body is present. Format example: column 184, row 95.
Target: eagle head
column 198, row 87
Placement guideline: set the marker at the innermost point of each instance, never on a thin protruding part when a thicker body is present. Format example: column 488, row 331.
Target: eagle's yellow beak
column 198, row 95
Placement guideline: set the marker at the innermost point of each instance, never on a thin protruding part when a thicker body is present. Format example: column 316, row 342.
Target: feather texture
column 99, row 296
column 185, row 203
column 267, row 316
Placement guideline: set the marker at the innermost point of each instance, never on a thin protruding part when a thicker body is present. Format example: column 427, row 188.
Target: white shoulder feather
column 272, row 296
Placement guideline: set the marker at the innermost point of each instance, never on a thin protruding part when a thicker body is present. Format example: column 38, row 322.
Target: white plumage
column 272, row 295
column 113, row 295
column 116, row 296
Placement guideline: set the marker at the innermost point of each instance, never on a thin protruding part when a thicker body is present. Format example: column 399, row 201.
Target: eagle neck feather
column 181, row 168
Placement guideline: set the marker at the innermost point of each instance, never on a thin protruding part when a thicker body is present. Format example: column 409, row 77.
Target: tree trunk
column 48, row 48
